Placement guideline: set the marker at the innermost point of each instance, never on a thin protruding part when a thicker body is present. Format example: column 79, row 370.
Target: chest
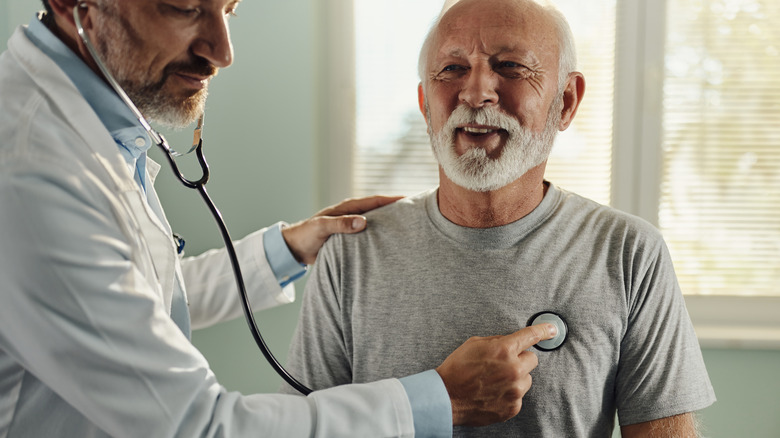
column 410, row 313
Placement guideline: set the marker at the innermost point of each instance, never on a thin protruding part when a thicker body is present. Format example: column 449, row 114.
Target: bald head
column 497, row 84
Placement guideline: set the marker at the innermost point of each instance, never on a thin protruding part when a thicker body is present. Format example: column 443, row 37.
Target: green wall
column 261, row 139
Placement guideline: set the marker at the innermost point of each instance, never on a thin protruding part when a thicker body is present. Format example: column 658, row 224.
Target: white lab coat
column 87, row 346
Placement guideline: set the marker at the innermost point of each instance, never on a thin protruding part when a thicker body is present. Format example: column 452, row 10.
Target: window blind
column 720, row 188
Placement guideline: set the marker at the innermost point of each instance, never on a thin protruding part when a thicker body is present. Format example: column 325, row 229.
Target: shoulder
column 405, row 209
column 388, row 224
column 601, row 218
column 620, row 235
column 32, row 123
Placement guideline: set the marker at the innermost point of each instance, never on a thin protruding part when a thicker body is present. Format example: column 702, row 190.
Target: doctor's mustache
column 197, row 66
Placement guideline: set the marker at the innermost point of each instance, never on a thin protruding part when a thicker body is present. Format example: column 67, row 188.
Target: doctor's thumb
column 353, row 224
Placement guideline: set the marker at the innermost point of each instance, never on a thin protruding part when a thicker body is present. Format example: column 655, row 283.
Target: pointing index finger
column 525, row 338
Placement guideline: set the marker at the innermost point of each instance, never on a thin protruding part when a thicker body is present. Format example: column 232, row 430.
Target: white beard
column 474, row 170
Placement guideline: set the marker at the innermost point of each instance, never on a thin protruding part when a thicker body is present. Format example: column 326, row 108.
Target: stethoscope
column 555, row 319
column 200, row 186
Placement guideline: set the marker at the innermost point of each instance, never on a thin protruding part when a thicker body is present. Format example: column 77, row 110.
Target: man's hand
column 487, row 378
column 305, row 238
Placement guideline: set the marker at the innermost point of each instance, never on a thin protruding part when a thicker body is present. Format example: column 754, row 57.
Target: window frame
column 719, row 321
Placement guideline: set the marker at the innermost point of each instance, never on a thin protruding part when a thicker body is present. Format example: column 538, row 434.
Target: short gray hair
column 567, row 56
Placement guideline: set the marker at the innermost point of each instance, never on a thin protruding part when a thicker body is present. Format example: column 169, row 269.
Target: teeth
column 477, row 130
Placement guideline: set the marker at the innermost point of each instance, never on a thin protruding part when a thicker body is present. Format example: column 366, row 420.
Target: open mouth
column 479, row 131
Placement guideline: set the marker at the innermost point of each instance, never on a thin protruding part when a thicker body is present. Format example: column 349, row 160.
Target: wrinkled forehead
column 494, row 26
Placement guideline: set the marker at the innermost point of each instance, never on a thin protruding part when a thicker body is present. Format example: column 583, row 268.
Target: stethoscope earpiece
column 555, row 319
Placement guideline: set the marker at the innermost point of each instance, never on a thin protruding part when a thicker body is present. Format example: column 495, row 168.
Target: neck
column 68, row 34
column 510, row 203
column 54, row 24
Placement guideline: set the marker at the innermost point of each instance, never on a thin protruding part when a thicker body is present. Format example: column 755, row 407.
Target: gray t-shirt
column 399, row 297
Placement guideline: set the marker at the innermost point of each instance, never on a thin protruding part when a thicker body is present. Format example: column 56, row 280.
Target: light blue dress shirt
column 428, row 397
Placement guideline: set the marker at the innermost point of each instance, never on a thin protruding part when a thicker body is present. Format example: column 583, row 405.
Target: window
column 720, row 187
column 679, row 125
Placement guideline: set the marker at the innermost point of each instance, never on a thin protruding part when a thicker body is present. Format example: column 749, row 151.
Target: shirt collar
column 120, row 122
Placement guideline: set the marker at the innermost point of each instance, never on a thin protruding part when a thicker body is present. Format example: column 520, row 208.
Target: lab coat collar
column 118, row 119
column 127, row 131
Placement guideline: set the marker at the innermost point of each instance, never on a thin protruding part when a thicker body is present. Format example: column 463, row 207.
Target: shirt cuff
column 430, row 404
column 283, row 263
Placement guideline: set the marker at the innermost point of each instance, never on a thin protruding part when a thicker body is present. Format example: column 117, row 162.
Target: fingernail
column 358, row 223
column 552, row 329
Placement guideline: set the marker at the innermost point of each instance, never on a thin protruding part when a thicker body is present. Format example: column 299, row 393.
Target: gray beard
column 476, row 171
column 113, row 35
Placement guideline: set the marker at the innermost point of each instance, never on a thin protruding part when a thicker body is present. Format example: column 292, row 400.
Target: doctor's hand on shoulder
column 305, row 238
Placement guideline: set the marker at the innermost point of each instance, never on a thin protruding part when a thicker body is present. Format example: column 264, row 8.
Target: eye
column 511, row 69
column 184, row 12
column 508, row 64
column 453, row 69
column 449, row 72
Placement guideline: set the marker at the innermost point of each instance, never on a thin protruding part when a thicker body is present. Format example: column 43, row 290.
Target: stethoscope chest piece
column 556, row 320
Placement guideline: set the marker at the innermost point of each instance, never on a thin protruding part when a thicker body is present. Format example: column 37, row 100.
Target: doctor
column 96, row 306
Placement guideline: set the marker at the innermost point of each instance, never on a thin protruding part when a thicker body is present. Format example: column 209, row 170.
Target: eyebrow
column 527, row 54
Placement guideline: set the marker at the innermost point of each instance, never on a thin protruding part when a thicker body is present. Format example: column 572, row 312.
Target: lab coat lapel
column 159, row 244
column 154, row 236
column 180, row 312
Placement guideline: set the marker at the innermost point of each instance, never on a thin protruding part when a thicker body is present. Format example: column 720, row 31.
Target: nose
column 480, row 88
column 213, row 42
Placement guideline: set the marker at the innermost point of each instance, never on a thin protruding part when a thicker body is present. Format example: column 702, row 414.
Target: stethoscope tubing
column 250, row 318
column 200, row 186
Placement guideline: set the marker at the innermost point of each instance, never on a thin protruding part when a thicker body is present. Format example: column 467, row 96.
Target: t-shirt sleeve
column 661, row 371
column 319, row 355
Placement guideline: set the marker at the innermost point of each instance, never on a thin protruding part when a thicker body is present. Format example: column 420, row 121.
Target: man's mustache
column 464, row 114
column 197, row 67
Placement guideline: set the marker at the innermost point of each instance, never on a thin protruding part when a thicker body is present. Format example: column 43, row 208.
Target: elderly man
column 496, row 245
column 96, row 305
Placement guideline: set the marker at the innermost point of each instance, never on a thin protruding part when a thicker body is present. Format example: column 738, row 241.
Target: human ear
column 63, row 11
column 421, row 101
column 572, row 96
column 66, row 31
